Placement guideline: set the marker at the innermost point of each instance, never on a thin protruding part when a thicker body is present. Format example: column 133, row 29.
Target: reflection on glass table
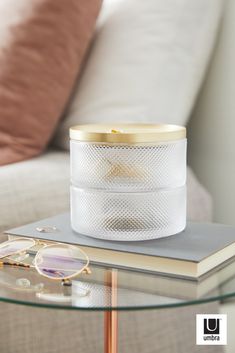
column 111, row 290
column 135, row 290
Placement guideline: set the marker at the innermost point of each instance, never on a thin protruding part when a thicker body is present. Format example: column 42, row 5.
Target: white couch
column 212, row 125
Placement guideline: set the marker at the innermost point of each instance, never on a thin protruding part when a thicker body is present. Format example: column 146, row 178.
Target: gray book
column 191, row 253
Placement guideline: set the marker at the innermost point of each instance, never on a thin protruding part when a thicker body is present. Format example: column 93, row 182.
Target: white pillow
column 147, row 62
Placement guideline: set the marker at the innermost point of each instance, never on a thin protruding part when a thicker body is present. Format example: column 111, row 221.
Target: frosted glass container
column 128, row 182
column 128, row 216
column 123, row 167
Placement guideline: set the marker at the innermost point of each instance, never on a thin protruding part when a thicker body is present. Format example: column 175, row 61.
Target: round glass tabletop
column 113, row 289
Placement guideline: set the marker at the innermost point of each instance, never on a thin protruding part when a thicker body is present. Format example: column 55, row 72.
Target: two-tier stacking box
column 128, row 182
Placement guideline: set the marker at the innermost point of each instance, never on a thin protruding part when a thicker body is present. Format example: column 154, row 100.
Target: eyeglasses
column 55, row 261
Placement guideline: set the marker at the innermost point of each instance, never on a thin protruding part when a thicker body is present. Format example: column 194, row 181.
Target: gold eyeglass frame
column 45, row 245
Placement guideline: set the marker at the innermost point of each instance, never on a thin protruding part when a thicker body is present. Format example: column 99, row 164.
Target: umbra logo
column 211, row 329
column 211, row 326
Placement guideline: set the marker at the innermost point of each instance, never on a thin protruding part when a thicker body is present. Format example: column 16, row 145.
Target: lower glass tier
column 128, row 216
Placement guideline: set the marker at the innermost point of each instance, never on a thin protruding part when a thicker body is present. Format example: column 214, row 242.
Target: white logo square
column 211, row 329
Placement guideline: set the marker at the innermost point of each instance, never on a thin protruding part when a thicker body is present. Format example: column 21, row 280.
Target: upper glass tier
column 112, row 289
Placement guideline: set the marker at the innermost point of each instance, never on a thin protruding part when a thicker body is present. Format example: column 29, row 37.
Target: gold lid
column 127, row 133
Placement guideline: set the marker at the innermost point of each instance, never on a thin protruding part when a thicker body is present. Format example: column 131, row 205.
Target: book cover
column 195, row 244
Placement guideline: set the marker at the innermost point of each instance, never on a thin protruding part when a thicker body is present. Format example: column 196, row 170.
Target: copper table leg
column 110, row 317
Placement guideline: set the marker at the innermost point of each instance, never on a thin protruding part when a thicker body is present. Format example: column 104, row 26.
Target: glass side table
column 112, row 290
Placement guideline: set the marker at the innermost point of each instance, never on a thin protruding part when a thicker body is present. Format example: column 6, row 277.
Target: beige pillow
column 147, row 63
column 42, row 45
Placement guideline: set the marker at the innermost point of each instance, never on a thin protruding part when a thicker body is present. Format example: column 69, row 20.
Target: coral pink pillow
column 42, row 45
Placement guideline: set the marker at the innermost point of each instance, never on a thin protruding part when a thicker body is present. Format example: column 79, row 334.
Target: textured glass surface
column 128, row 167
column 128, row 192
column 128, row 216
column 109, row 288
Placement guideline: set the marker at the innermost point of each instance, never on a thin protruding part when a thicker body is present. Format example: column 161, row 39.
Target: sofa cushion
column 39, row 188
column 199, row 201
column 42, row 44
column 147, row 63
column 34, row 189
